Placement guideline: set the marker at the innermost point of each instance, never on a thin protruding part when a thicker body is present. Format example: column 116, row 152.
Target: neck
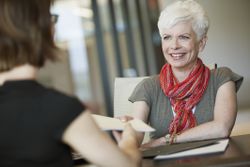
column 19, row 73
column 182, row 73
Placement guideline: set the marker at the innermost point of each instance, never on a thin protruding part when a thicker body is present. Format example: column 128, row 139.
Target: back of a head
column 25, row 33
column 187, row 10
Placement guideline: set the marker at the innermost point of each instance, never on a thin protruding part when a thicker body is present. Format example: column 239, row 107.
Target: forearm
column 225, row 111
column 141, row 112
column 127, row 155
column 85, row 137
column 129, row 147
column 209, row 130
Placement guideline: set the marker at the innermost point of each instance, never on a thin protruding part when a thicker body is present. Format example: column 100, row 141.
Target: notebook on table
column 177, row 148
column 218, row 147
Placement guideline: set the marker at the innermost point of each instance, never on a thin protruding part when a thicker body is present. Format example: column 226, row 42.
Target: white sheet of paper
column 214, row 148
column 108, row 123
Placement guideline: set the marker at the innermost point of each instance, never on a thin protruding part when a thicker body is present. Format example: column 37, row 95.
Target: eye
column 166, row 37
column 184, row 37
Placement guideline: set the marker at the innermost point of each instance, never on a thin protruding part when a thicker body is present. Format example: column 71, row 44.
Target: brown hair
column 25, row 33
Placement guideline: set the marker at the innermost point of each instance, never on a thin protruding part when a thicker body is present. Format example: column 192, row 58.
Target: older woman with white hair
column 187, row 101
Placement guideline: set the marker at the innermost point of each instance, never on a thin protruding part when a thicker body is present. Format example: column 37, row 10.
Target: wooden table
column 236, row 154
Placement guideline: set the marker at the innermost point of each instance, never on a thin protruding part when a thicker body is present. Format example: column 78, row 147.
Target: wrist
column 175, row 138
column 167, row 139
column 170, row 139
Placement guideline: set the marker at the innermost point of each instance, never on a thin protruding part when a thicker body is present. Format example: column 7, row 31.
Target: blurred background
column 104, row 39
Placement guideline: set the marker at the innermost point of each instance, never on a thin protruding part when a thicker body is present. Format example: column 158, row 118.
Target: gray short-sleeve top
column 161, row 113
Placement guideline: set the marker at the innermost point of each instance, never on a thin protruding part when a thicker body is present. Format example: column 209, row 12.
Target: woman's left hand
column 153, row 143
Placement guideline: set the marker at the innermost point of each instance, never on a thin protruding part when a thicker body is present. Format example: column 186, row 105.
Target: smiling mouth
column 177, row 56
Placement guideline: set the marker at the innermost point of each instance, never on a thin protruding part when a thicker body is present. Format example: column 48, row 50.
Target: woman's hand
column 128, row 136
column 116, row 134
column 125, row 118
column 129, row 144
column 153, row 143
column 85, row 137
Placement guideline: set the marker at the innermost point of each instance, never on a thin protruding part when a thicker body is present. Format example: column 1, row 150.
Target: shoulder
column 150, row 81
column 61, row 109
column 57, row 95
column 149, row 84
column 60, row 100
column 145, row 89
column 222, row 75
column 221, row 71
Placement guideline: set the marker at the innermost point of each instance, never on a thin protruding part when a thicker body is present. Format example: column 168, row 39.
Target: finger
column 130, row 133
column 125, row 118
column 128, row 118
column 117, row 135
column 143, row 148
column 128, row 129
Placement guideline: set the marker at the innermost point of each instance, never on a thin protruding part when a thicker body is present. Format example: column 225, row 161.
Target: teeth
column 177, row 55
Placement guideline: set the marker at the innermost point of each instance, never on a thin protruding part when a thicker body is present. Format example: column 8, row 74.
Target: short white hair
column 187, row 10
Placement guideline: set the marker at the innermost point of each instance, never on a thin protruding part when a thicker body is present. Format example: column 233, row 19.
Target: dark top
column 32, row 121
column 161, row 112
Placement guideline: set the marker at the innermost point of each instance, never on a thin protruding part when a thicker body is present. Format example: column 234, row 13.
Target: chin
column 178, row 63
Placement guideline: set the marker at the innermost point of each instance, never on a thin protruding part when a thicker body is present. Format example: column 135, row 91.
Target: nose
column 174, row 44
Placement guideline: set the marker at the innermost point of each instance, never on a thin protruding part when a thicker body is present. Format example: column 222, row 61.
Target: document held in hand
column 108, row 123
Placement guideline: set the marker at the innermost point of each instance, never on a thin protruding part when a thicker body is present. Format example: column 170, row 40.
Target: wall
column 228, row 39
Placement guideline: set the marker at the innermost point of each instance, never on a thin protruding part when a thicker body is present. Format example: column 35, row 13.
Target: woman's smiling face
column 180, row 45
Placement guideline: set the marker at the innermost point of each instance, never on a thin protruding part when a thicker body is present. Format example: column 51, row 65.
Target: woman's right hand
column 126, row 118
column 116, row 134
column 128, row 135
column 129, row 143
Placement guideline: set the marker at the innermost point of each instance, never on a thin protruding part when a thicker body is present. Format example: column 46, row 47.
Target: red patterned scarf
column 184, row 95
